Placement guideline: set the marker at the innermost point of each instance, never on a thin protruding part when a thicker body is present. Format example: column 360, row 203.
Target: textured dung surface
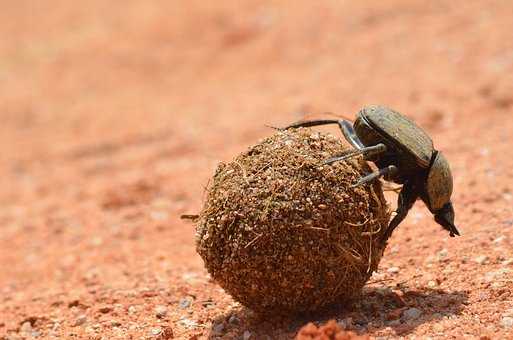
column 281, row 232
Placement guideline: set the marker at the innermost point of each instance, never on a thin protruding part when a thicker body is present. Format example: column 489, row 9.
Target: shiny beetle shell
column 403, row 132
column 439, row 183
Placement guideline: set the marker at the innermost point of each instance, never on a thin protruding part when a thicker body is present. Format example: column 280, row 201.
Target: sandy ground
column 115, row 113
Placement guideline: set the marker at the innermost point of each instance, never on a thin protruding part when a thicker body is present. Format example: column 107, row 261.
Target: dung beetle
column 404, row 154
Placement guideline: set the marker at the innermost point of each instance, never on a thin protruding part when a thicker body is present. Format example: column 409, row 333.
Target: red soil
column 114, row 115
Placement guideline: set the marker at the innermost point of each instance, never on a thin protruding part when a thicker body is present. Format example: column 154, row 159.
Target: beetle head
column 439, row 191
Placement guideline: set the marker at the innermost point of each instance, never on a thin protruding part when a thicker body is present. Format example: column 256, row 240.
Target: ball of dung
column 282, row 232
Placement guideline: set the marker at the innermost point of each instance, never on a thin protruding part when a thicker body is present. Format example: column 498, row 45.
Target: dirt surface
column 115, row 114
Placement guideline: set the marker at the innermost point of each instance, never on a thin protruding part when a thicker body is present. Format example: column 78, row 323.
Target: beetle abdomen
column 439, row 183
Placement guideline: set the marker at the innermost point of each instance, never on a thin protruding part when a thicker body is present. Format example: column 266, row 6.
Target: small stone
column 26, row 327
column 499, row 239
column 443, row 254
column 188, row 323
column 160, row 311
column 393, row 270
column 481, row 259
column 394, row 314
column 156, row 331
column 80, row 320
column 507, row 322
column 234, row 320
column 185, row 303
column 498, row 284
column 412, row 314
column 494, row 275
column 507, row 262
column 132, row 310
column 246, row 335
column 439, row 328
column 13, row 337
column 105, row 309
column 431, row 284
column 394, row 323
column 218, row 328
column 346, row 323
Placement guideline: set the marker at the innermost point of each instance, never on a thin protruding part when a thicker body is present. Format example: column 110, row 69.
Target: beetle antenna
column 273, row 127
column 329, row 113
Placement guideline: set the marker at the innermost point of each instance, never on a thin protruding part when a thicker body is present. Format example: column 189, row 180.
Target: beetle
column 404, row 154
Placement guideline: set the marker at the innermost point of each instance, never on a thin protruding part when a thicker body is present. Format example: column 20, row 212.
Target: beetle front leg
column 405, row 201
column 345, row 126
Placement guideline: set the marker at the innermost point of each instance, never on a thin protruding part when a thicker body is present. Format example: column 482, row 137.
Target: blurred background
column 115, row 113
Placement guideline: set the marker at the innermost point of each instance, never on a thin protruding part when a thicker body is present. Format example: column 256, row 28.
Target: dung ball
column 282, row 232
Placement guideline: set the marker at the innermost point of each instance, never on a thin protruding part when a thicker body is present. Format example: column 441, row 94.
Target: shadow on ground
column 378, row 308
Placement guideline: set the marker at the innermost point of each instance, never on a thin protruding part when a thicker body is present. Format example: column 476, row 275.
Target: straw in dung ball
column 281, row 232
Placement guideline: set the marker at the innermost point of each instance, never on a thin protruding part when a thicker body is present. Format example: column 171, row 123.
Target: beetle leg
column 387, row 172
column 345, row 126
column 310, row 123
column 367, row 152
column 405, row 201
column 350, row 134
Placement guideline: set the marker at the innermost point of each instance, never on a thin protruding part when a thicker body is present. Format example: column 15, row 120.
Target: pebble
column 439, row 328
column 160, row 311
column 115, row 323
column 218, row 328
column 246, row 335
column 188, row 323
column 431, row 284
column 443, row 254
column 156, row 331
column 185, row 303
column 394, row 314
column 492, row 276
column 507, row 262
column 346, row 323
column 80, row 320
column 26, row 327
column 507, row 322
column 234, row 320
column 412, row 314
column 499, row 239
column 481, row 259
column 105, row 309
column 393, row 270
column 394, row 323
column 132, row 310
